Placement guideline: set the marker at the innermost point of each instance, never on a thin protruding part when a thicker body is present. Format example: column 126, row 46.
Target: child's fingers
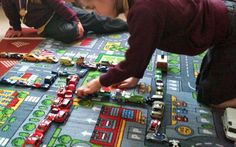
column 123, row 85
column 80, row 91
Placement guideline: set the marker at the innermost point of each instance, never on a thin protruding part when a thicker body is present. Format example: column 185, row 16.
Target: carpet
column 25, row 44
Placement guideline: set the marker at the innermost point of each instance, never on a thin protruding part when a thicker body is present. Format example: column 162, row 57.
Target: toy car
column 229, row 123
column 80, row 61
column 157, row 110
column 43, row 126
column 159, row 83
column 15, row 55
column 71, row 87
column 157, row 137
column 51, row 59
column 181, row 118
column 89, row 65
column 180, row 104
column 34, row 140
column 72, row 79
column 154, row 126
column 180, row 110
column 61, row 92
column 59, row 115
column 3, row 54
column 102, row 68
column 104, row 63
column 157, row 96
column 32, row 58
column 162, row 62
column 66, row 61
column 62, row 103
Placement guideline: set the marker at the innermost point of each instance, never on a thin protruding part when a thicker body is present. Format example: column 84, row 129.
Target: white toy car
column 229, row 123
column 157, row 110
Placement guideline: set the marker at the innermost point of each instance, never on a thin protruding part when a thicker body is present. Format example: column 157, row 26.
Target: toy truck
column 229, row 123
column 162, row 62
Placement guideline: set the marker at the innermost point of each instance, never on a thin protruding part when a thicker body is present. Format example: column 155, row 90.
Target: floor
column 4, row 23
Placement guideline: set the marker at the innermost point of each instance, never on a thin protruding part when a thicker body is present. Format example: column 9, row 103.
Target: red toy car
column 70, row 87
column 34, row 140
column 154, row 125
column 60, row 115
column 61, row 103
column 43, row 126
column 61, row 92
column 180, row 104
column 72, row 79
column 181, row 118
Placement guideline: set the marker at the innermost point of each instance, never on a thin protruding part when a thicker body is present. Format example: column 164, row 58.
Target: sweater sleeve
column 12, row 14
column 145, row 32
column 61, row 9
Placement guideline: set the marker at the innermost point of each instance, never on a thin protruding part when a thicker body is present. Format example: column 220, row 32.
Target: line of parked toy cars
column 102, row 66
column 60, row 112
column 29, row 80
column 12, row 55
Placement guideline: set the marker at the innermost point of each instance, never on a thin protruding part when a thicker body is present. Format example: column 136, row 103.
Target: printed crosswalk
column 3, row 141
column 32, row 99
column 8, row 64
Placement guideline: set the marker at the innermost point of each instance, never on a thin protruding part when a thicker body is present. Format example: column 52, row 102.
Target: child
column 179, row 26
column 57, row 19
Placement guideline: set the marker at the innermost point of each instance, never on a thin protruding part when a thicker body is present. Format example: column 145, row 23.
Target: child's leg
column 59, row 29
column 216, row 83
column 99, row 24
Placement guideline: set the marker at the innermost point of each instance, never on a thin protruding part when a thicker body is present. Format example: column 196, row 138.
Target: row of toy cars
column 31, row 57
column 28, row 79
column 102, row 66
column 157, row 110
column 59, row 113
column 12, row 55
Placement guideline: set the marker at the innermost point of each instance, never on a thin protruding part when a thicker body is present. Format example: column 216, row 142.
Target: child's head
column 110, row 8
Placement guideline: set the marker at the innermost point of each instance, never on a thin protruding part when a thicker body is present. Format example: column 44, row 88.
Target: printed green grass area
column 17, row 141
column 115, row 59
column 174, row 70
column 90, row 76
column 77, row 142
column 54, row 137
column 173, row 62
column 106, row 103
column 115, row 36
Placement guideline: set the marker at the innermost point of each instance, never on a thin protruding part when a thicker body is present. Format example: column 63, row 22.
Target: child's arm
column 12, row 14
column 146, row 31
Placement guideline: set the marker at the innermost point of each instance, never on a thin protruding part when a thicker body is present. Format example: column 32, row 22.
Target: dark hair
column 119, row 6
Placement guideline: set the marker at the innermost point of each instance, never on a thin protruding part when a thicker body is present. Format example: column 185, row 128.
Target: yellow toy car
column 66, row 61
column 32, row 57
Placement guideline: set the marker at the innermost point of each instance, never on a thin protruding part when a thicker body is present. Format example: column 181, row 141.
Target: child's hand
column 80, row 30
column 90, row 88
column 128, row 83
column 13, row 33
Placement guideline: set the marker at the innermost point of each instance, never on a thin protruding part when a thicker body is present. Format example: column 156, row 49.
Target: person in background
column 57, row 19
column 187, row 27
